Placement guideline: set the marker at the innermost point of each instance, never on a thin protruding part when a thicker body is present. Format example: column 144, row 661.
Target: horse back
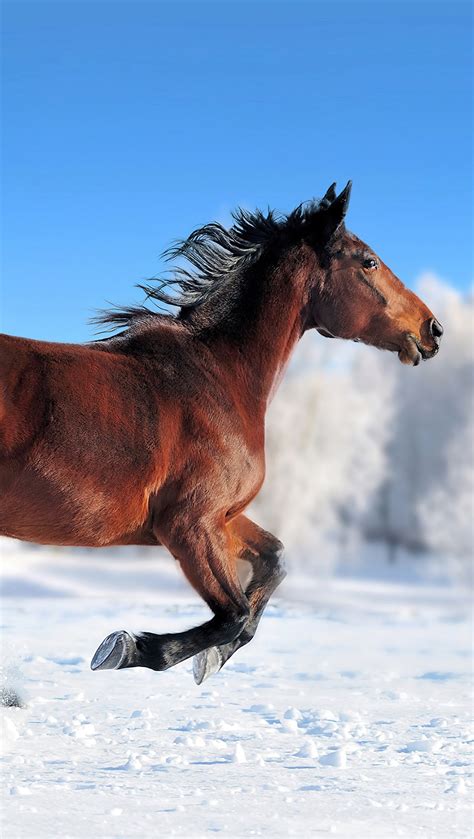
column 74, row 396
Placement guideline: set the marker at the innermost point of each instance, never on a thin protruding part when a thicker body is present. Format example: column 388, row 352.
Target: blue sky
column 128, row 124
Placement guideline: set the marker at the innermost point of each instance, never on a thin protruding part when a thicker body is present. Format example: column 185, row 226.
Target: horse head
column 357, row 297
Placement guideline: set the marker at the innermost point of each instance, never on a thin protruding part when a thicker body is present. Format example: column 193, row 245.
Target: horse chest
column 245, row 473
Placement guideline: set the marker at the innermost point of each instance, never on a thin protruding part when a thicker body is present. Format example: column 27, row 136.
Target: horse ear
column 330, row 194
column 342, row 200
column 336, row 212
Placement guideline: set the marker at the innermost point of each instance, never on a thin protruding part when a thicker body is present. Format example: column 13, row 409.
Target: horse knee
column 279, row 571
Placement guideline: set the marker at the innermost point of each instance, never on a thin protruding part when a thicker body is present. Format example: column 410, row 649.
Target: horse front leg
column 265, row 553
column 208, row 558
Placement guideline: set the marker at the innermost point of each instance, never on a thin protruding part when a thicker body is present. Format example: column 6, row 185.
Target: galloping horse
column 155, row 436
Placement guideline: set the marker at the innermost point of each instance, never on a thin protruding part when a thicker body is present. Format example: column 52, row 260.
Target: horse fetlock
column 233, row 629
column 247, row 633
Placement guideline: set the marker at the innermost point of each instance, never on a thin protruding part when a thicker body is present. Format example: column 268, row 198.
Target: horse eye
column 370, row 263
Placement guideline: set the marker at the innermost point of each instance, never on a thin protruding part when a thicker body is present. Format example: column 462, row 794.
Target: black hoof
column 116, row 651
column 206, row 663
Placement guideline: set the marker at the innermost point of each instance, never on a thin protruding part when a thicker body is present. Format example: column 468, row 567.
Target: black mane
column 213, row 253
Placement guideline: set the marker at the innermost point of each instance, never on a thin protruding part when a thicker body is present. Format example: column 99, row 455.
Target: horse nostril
column 436, row 330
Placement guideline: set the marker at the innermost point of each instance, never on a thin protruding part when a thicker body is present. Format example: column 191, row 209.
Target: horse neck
column 257, row 332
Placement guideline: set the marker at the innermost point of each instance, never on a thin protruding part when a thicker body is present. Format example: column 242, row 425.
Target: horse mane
column 212, row 253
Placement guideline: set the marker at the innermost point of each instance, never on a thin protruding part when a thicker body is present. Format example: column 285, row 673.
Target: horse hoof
column 116, row 651
column 206, row 663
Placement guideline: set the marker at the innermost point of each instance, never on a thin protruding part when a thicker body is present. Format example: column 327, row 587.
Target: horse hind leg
column 268, row 571
column 210, row 568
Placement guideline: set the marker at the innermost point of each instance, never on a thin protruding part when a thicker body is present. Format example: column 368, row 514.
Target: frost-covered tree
column 446, row 514
column 433, row 410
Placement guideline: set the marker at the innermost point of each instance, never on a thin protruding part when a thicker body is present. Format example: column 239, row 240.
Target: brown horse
column 155, row 436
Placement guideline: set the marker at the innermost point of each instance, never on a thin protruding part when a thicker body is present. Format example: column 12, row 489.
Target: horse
column 154, row 435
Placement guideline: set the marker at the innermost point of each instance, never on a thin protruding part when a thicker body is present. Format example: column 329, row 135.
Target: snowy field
column 349, row 714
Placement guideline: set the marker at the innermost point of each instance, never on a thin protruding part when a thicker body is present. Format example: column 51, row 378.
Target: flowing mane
column 214, row 253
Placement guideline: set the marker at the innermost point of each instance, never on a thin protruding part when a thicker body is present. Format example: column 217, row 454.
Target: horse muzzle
column 413, row 350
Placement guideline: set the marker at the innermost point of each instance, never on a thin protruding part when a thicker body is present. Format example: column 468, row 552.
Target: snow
column 348, row 715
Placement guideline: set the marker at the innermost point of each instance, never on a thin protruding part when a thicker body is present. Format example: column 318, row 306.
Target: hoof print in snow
column 115, row 652
column 335, row 758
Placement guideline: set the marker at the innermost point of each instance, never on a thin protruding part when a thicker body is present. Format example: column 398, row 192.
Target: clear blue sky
column 128, row 124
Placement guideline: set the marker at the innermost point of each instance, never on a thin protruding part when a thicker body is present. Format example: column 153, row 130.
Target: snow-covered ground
column 349, row 713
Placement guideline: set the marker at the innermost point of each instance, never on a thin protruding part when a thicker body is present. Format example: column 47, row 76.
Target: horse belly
column 68, row 508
